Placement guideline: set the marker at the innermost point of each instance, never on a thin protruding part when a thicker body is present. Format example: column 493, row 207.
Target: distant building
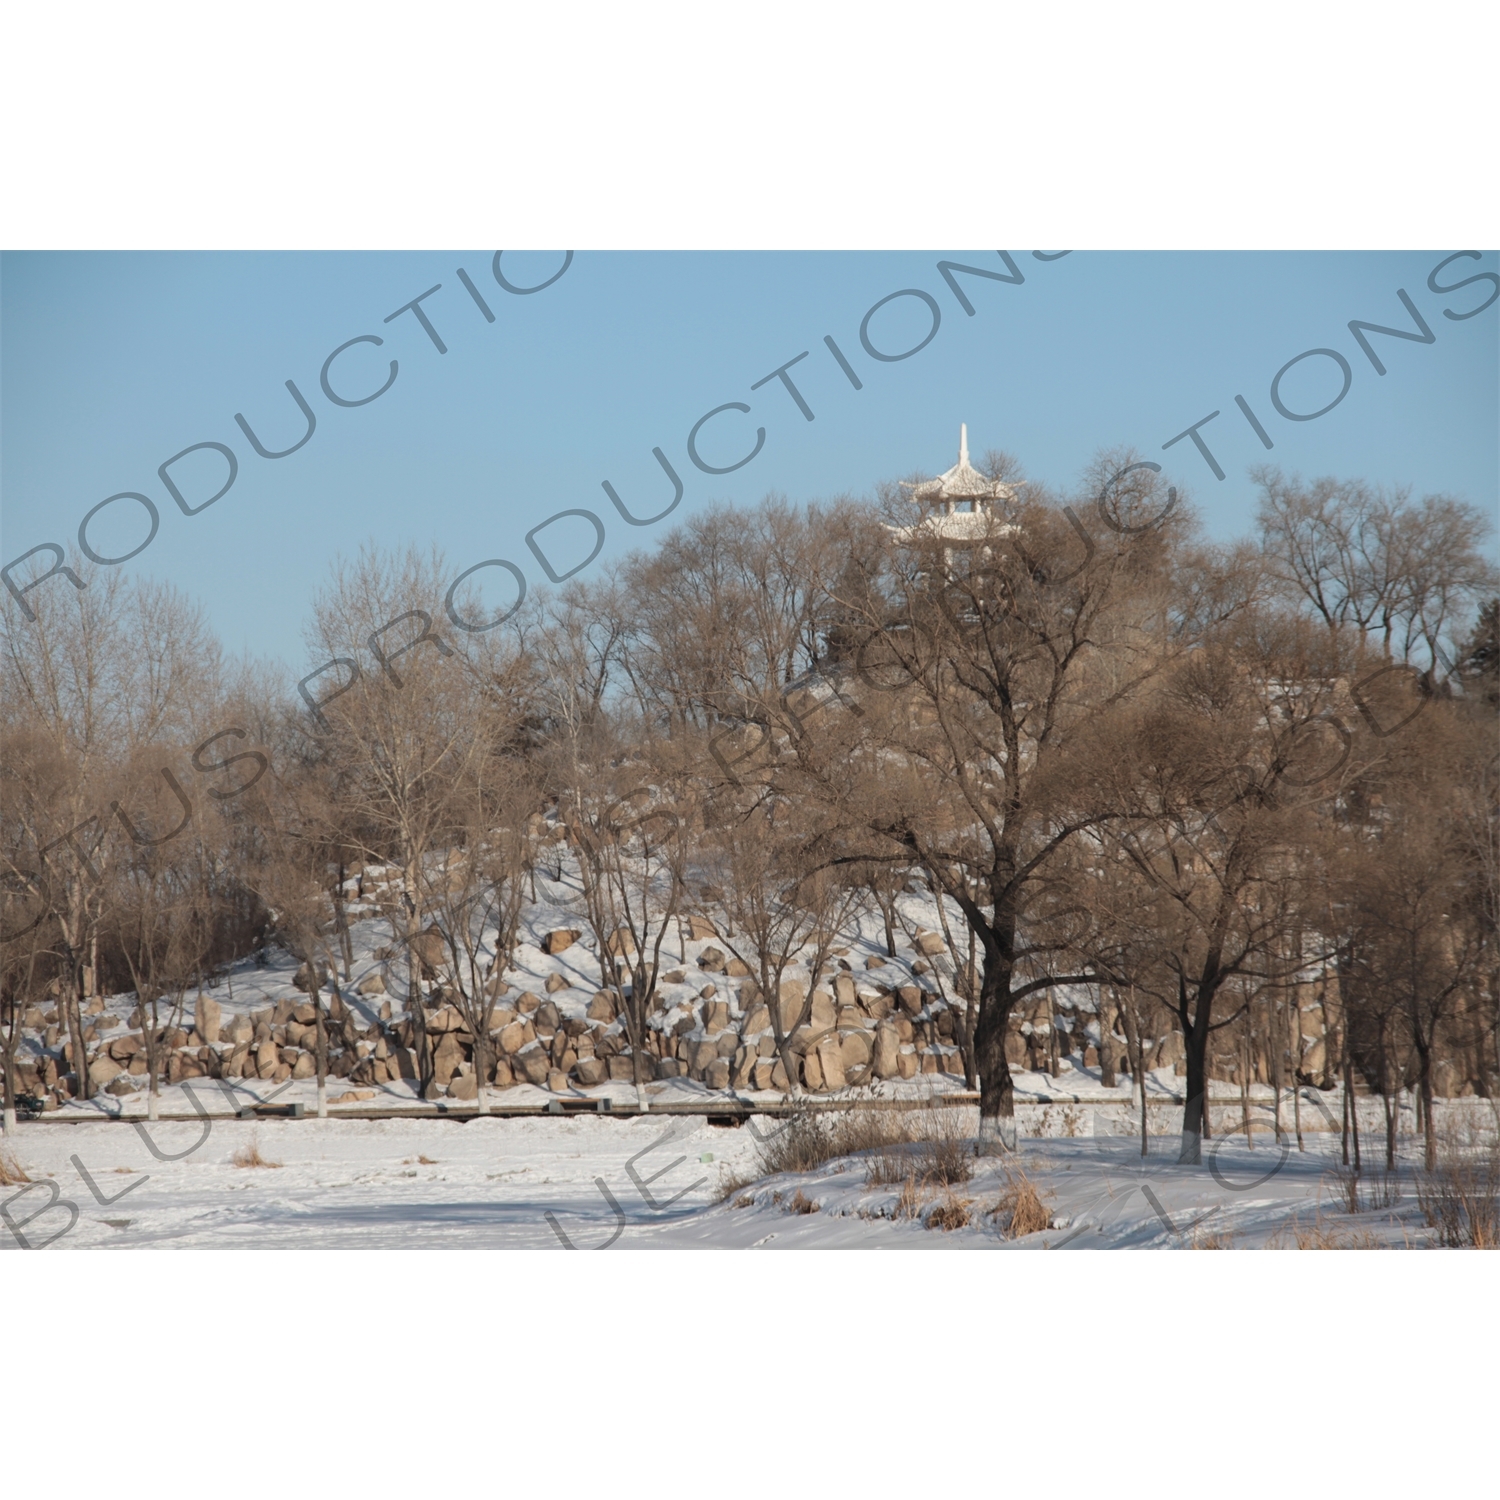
column 959, row 509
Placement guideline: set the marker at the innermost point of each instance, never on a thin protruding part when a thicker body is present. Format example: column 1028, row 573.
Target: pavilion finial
column 963, row 442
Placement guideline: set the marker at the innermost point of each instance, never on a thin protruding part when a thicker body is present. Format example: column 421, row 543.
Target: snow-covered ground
column 647, row 1181
column 102, row 1177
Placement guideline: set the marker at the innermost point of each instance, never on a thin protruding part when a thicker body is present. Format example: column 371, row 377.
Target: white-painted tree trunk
column 153, row 1105
column 322, row 1098
column 10, row 1122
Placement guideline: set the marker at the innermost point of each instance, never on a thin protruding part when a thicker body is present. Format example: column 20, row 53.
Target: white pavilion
column 959, row 509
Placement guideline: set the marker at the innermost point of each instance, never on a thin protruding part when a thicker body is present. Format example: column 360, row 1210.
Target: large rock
column 430, row 949
column 728, row 1043
column 555, row 982
column 306, row 1066
column 712, row 960
column 844, row 989
column 855, row 1049
column 464, row 1086
column 824, row 1015
column 812, row 1070
column 267, row 1059
column 548, row 1016
column 1315, row 1060
column 102, row 1070
column 737, row 969
column 703, row 1054
column 445, row 1018
column 907, row 1064
column 742, row 1068
column 372, row 984
column 207, row 1018
column 502, row 1077
column 602, row 1007
column 560, row 940
column 930, row 944
column 831, row 1059
column 592, row 1071
column 514, row 1037
column 715, row 1016
column 757, row 1021
column 700, row 929
column 887, row 1050
column 620, row 943
column 717, row 1074
column 622, row 1069
column 912, row 998
column 1016, row 1051
column 764, row 1069
column 535, row 1065
column 792, row 997
column 305, row 976
column 447, row 1058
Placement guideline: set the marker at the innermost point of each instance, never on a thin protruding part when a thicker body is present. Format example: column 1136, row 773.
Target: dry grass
column 732, row 1181
column 1346, row 1189
column 744, row 1202
column 11, row 1171
column 946, row 1158
column 1373, row 1187
column 800, row 1203
column 1461, row 1198
column 1213, row 1239
column 249, row 1156
column 809, row 1137
column 1020, row 1210
column 909, row 1204
column 1318, row 1236
column 952, row 1213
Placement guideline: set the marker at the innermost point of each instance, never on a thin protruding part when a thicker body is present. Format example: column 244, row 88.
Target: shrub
column 1461, row 1198
column 1020, row 1210
column 249, row 1156
column 952, row 1213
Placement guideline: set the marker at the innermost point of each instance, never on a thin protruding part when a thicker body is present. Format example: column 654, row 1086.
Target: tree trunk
column 997, row 1090
column 1106, row 1042
column 1245, row 1087
column 1351, row 1113
column 74, row 1014
column 316, row 991
column 1195, row 1109
column 1429, row 1135
column 1136, row 1049
column 8, row 1082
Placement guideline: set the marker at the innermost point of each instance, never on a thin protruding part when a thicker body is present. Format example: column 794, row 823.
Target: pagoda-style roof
column 940, row 498
column 963, row 482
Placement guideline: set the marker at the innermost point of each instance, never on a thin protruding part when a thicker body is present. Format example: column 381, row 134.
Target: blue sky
column 112, row 363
